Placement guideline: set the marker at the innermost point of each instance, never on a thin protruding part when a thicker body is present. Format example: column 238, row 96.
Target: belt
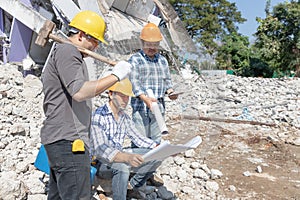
column 162, row 101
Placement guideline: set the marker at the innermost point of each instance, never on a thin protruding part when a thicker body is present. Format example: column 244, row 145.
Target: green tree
column 208, row 21
column 278, row 37
column 234, row 52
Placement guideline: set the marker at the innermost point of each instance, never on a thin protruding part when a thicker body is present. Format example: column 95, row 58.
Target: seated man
column 110, row 126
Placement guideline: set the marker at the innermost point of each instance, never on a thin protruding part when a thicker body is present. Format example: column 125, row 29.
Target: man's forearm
column 91, row 89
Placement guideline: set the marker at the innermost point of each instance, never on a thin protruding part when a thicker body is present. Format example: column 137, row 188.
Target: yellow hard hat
column 90, row 23
column 124, row 87
column 151, row 33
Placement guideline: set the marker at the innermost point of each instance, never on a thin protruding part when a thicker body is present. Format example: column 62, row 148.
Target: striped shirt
column 107, row 134
column 146, row 74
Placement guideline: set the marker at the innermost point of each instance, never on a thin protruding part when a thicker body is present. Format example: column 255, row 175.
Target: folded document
column 165, row 149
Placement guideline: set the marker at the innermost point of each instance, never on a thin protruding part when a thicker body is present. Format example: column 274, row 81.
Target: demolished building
column 21, row 21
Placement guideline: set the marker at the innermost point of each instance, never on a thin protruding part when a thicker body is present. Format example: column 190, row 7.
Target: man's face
column 150, row 48
column 120, row 100
column 89, row 42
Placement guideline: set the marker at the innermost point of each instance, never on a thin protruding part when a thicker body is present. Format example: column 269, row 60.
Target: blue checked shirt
column 146, row 74
column 107, row 134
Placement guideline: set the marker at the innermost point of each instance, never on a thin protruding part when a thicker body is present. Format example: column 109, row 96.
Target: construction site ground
column 237, row 150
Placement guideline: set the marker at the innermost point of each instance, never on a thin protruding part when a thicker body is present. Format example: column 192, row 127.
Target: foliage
column 256, row 68
column 234, row 52
column 208, row 21
column 276, row 50
column 278, row 37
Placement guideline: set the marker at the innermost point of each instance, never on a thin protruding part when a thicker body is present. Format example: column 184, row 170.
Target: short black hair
column 72, row 31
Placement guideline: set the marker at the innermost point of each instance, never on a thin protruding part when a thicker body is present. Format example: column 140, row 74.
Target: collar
column 155, row 59
column 108, row 111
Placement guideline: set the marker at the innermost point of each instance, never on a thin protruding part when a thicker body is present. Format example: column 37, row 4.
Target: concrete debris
column 232, row 188
column 184, row 175
column 212, row 186
column 247, row 173
column 258, row 169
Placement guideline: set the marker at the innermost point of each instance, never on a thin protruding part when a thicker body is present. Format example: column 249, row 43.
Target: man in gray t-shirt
column 67, row 107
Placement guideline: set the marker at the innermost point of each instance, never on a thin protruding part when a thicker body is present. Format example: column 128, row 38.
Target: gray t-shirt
column 63, row 76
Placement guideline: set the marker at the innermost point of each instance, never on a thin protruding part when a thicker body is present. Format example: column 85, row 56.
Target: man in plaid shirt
column 150, row 70
column 110, row 126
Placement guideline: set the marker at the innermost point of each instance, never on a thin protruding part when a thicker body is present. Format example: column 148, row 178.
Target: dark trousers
column 69, row 172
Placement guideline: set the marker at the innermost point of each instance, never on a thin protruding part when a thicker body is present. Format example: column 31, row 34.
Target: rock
column 182, row 175
column 205, row 168
column 32, row 87
column 17, row 129
column 296, row 141
column 258, row 169
column 189, row 153
column 247, row 173
column 179, row 160
column 11, row 188
column 22, row 167
column 232, row 188
column 215, row 174
column 195, row 165
column 187, row 190
column 199, row 173
column 37, row 197
column 212, row 186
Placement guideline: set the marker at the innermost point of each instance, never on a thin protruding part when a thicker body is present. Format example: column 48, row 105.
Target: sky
column 250, row 9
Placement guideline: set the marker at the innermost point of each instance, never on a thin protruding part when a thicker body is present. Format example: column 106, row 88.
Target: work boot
column 146, row 189
column 156, row 180
column 135, row 194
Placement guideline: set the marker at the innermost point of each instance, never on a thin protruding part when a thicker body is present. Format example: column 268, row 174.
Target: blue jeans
column 69, row 172
column 147, row 125
column 120, row 172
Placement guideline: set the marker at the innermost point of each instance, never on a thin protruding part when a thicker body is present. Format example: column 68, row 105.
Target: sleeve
column 69, row 64
column 138, row 139
column 135, row 75
column 99, row 140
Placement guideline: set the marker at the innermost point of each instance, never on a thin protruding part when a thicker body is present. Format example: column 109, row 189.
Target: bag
column 41, row 161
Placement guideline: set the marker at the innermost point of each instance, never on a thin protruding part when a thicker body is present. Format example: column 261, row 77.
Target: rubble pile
column 186, row 176
column 231, row 97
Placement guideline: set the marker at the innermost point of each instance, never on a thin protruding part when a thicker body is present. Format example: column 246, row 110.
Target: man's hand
column 121, row 70
column 147, row 100
column 134, row 160
column 173, row 96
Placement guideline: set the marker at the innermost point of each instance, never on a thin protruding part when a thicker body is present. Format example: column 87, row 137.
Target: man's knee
column 120, row 168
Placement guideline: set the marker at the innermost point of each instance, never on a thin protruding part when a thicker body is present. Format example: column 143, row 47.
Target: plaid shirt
column 146, row 74
column 107, row 134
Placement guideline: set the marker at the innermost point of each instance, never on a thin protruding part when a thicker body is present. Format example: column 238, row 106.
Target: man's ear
column 110, row 94
column 80, row 35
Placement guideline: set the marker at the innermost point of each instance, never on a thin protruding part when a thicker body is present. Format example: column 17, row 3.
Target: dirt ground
column 236, row 149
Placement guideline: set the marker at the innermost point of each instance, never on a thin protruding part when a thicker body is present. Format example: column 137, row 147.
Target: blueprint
column 165, row 149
